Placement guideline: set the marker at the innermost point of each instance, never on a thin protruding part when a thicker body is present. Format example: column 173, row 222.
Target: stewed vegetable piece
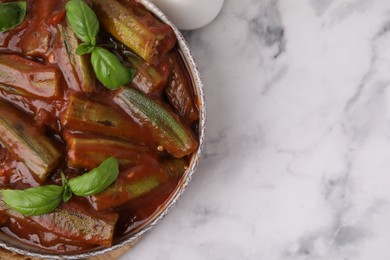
column 86, row 151
column 27, row 142
column 20, row 75
column 146, row 36
column 149, row 79
column 165, row 127
column 77, row 68
column 86, row 115
column 179, row 91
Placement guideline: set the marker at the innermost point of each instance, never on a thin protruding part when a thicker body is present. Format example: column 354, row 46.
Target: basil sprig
column 108, row 68
column 45, row 199
column 12, row 14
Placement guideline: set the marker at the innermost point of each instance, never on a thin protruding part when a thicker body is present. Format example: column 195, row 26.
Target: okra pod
column 37, row 38
column 137, row 182
column 15, row 91
column 90, row 116
column 164, row 125
column 179, row 91
column 146, row 36
column 149, row 79
column 77, row 69
column 27, row 143
column 72, row 221
column 89, row 152
column 22, row 76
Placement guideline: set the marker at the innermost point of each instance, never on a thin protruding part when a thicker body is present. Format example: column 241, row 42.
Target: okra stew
column 98, row 121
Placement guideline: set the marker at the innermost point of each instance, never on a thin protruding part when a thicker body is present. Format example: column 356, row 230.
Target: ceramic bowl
column 17, row 247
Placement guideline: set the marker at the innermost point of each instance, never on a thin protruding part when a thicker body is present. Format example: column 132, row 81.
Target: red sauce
column 35, row 39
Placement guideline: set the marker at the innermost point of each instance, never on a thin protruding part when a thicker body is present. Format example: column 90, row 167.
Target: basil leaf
column 34, row 201
column 109, row 69
column 84, row 48
column 45, row 199
column 67, row 195
column 12, row 14
column 96, row 180
column 83, row 20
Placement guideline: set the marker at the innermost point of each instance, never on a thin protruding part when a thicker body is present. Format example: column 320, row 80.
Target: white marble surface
column 297, row 161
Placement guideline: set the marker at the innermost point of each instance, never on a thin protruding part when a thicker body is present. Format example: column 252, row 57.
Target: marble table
column 297, row 161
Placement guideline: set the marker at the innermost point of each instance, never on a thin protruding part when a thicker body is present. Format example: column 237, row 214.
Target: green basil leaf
column 83, row 20
column 34, row 201
column 12, row 14
column 109, row 69
column 84, row 48
column 96, row 180
column 67, row 195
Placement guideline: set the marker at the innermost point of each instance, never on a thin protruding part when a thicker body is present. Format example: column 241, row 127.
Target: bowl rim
column 198, row 87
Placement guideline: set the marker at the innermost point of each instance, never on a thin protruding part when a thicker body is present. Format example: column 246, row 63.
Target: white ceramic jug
column 190, row 14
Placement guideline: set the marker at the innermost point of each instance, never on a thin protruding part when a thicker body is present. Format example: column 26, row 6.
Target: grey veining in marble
column 297, row 158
